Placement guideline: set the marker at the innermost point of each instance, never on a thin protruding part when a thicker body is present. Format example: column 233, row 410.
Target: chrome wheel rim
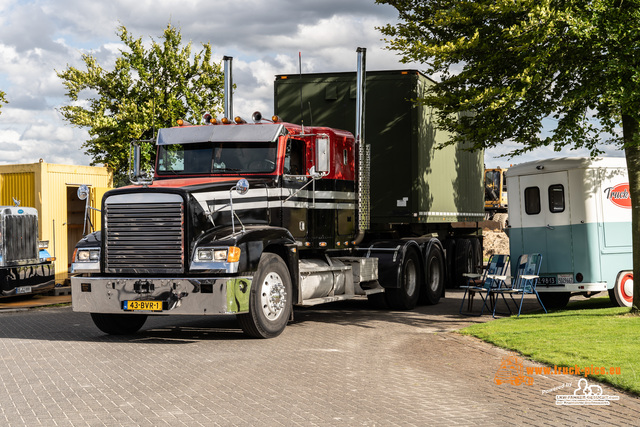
column 273, row 296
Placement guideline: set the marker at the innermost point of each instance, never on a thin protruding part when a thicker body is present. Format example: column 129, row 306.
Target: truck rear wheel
column 270, row 299
column 118, row 324
column 465, row 261
column 622, row 292
column 406, row 296
column 435, row 275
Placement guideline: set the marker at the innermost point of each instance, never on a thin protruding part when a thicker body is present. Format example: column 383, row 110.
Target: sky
column 39, row 38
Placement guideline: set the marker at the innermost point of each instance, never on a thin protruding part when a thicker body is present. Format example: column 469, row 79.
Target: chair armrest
column 529, row 276
column 498, row 277
column 472, row 275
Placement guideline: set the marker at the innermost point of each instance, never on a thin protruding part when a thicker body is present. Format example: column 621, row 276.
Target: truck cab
column 26, row 267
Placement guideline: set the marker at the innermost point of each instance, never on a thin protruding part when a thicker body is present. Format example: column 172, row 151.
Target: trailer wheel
column 406, row 296
column 450, row 263
column 435, row 274
column 622, row 292
column 476, row 247
column 465, row 261
column 118, row 324
column 555, row 300
column 270, row 299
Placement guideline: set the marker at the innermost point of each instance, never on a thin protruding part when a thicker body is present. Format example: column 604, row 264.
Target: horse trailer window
column 532, row 200
column 556, row 198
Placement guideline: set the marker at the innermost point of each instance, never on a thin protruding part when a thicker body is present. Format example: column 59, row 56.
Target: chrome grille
column 144, row 238
column 20, row 238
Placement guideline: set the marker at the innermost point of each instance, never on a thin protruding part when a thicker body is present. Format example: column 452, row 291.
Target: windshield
column 491, row 185
column 219, row 157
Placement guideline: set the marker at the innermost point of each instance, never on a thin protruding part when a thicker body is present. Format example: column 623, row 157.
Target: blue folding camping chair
column 484, row 283
column 524, row 282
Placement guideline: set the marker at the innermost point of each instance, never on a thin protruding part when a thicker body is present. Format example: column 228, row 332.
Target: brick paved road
column 343, row 364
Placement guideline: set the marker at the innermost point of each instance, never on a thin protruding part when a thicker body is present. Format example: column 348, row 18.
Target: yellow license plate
column 142, row 305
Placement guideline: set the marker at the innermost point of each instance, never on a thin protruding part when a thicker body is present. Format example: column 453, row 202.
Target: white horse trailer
column 576, row 212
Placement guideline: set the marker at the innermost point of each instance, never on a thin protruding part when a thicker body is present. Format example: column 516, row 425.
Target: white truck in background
column 576, row 212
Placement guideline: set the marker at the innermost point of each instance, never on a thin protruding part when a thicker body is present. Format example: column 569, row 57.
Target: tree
column 515, row 63
column 3, row 100
column 147, row 89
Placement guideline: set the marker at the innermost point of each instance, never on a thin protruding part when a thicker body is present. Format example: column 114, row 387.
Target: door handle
column 550, row 227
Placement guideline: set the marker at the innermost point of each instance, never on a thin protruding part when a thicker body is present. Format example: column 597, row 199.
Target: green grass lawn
column 586, row 333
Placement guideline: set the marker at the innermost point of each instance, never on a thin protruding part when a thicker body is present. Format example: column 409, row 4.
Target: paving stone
column 340, row 364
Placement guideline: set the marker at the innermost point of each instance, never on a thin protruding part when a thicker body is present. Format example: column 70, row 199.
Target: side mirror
column 137, row 176
column 242, row 186
column 136, row 161
column 322, row 153
column 83, row 192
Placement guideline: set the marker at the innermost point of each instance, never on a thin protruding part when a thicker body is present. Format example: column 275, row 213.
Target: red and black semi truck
column 251, row 219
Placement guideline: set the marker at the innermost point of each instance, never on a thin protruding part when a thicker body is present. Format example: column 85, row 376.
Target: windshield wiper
column 225, row 170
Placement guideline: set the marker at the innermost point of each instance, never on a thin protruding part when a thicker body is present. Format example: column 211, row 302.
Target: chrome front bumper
column 201, row 296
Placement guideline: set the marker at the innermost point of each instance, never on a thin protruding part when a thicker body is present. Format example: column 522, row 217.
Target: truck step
column 376, row 289
column 324, row 300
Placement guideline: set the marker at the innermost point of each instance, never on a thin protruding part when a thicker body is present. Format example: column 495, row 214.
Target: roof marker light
column 239, row 120
column 225, row 121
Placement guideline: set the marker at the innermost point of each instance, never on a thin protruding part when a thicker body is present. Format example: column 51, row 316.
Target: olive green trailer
column 417, row 190
column 412, row 181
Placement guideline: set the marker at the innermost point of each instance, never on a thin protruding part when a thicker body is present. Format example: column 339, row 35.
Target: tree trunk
column 631, row 131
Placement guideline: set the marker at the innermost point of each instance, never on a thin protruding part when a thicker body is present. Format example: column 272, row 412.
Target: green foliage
column 604, row 337
column 506, row 65
column 514, row 63
column 3, row 100
column 147, row 89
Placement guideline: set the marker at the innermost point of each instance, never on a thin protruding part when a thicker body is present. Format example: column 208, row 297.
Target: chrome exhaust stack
column 362, row 149
column 228, row 87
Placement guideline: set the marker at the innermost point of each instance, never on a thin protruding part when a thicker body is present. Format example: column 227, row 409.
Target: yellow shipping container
column 52, row 190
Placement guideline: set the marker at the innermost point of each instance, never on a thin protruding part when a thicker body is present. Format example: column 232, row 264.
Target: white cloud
column 40, row 37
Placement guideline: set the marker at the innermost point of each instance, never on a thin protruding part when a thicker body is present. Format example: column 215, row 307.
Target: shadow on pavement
column 61, row 323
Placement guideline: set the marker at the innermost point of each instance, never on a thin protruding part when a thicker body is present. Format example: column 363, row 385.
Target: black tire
column 555, row 300
column 119, row 324
column 378, row 301
column 450, row 263
column 476, row 246
column 434, row 275
column 465, row 262
column 270, row 299
column 406, row 296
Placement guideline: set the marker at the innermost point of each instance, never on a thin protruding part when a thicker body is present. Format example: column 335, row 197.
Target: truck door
column 295, row 183
column 546, row 220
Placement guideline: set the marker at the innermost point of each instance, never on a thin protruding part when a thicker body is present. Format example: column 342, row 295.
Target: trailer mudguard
column 391, row 255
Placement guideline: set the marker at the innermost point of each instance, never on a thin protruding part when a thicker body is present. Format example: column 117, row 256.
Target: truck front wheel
column 270, row 299
column 406, row 296
column 118, row 324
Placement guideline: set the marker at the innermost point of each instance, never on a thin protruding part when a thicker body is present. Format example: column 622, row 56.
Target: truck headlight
column 87, row 255
column 230, row 254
